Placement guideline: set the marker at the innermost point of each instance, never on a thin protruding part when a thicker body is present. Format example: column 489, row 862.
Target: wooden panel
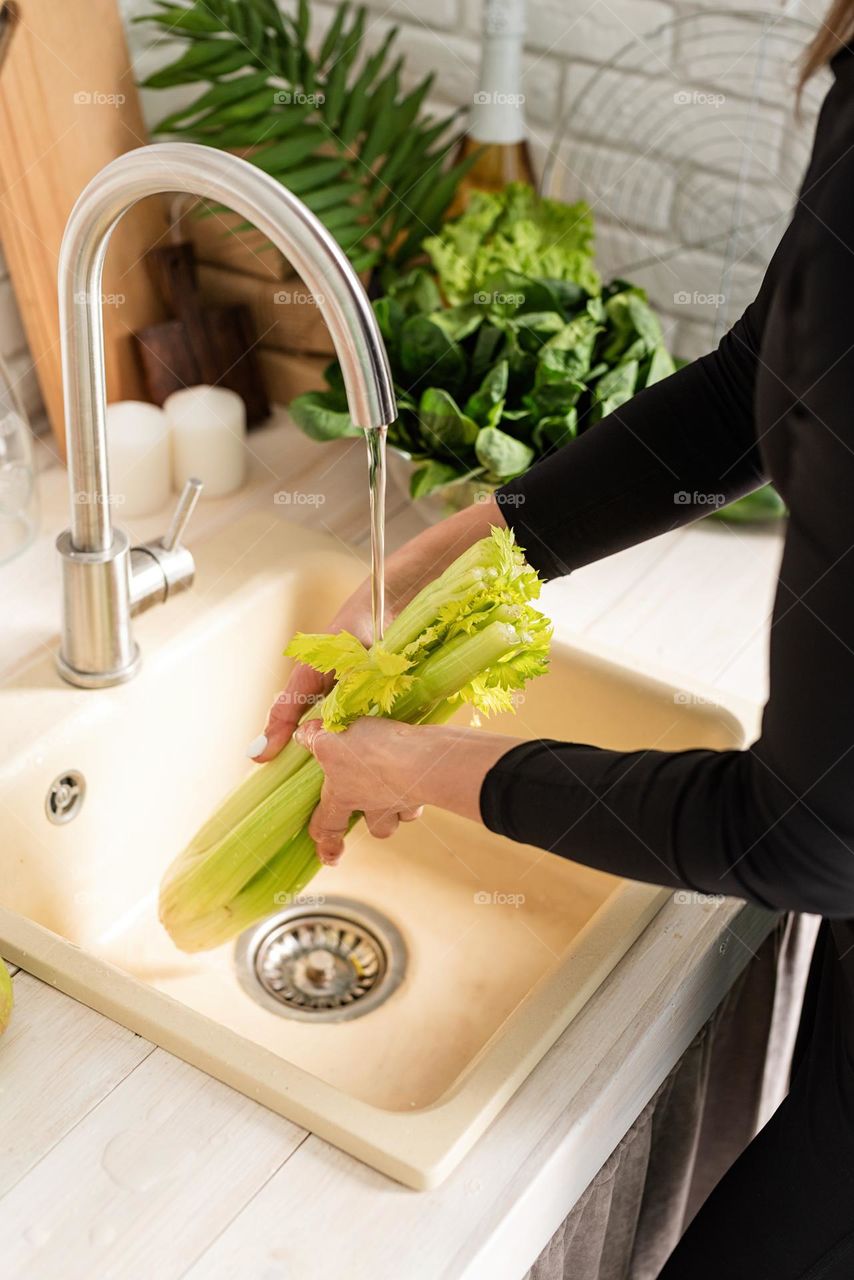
column 142, row 1182
column 286, row 317
column 287, row 375
column 59, row 1060
column 223, row 239
column 68, row 106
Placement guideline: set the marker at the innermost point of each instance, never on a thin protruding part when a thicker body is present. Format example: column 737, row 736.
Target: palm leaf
column 347, row 138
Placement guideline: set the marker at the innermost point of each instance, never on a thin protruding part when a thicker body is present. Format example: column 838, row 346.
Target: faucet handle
column 183, row 511
column 162, row 568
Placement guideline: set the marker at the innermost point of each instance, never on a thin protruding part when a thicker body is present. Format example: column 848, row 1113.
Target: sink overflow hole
column 324, row 963
column 65, row 797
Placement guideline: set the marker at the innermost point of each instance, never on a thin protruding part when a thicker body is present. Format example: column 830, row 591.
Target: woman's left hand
column 388, row 770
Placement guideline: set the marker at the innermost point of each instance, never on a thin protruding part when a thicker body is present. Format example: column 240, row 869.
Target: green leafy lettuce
column 514, row 230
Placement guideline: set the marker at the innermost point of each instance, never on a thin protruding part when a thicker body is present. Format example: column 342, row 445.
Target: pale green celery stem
column 420, row 613
column 269, row 890
column 254, row 790
column 200, row 882
column 441, row 713
column 203, row 883
column 453, row 667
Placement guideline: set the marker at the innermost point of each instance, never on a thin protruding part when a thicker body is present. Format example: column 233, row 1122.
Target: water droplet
column 37, row 1235
column 138, row 1160
column 102, row 1235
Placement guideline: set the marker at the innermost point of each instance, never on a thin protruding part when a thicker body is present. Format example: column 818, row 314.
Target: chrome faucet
column 105, row 582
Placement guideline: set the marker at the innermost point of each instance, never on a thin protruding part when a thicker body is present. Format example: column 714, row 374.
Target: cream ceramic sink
column 504, row 944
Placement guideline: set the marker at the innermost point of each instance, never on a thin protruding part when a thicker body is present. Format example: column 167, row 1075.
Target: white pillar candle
column 208, row 427
column 138, row 454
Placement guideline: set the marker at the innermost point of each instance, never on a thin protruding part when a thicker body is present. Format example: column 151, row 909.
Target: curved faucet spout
column 228, row 180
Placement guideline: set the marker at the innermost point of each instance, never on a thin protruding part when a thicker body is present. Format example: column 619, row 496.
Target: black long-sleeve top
column 774, row 823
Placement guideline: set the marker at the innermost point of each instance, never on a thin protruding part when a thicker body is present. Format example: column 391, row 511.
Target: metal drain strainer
column 65, row 797
column 322, row 962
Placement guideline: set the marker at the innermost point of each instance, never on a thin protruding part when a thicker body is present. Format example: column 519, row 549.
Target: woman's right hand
column 306, row 687
column 418, row 562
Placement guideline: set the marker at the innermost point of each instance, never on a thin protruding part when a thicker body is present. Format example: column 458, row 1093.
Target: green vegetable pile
column 495, row 362
column 472, row 636
column 508, row 348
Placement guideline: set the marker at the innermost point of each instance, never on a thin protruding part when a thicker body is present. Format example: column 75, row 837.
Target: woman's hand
column 407, row 571
column 306, row 687
column 387, row 771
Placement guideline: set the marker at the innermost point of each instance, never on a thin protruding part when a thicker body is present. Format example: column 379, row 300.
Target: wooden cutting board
column 68, row 105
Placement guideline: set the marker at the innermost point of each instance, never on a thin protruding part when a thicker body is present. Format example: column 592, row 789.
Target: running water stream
column 376, row 438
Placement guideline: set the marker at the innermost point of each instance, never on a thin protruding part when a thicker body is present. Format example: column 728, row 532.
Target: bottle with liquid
column 18, row 494
column 497, row 120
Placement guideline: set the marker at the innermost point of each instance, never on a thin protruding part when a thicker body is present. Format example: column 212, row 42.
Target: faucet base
column 97, row 648
column 99, row 679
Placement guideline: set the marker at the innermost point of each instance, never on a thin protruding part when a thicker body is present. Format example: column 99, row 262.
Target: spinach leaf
column 502, row 455
column 556, row 430
column 390, row 317
column 417, row 292
column 321, row 416
column 631, row 323
column 334, row 379
column 762, row 504
column 487, row 346
column 661, row 365
column 613, row 389
column 431, row 475
column 444, row 424
column 490, row 393
column 565, row 296
column 534, row 328
column 458, row 322
column 555, row 397
column 427, row 351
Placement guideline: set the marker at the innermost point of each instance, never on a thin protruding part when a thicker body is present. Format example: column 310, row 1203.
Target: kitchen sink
column 497, row 946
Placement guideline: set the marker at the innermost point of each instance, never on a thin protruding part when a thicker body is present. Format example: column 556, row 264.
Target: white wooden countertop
column 120, row 1162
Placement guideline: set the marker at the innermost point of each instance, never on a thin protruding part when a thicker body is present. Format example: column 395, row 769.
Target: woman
column 774, row 823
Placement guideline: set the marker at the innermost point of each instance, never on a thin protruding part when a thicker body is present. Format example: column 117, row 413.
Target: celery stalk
column 471, row 634
column 213, row 877
column 450, row 669
column 270, row 889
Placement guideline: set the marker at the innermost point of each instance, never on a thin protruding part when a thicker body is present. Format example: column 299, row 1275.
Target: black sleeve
column 775, row 823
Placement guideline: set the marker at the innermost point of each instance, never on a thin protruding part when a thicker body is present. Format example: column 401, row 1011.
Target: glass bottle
column 497, row 119
column 18, row 494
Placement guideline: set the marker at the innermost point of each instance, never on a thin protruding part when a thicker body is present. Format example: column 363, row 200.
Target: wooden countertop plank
column 144, row 1181
column 58, row 1061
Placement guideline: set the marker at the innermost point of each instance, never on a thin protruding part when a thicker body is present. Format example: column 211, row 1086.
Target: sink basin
column 504, row 944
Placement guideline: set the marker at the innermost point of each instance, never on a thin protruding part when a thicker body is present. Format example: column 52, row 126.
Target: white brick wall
column 646, row 212
column 626, row 159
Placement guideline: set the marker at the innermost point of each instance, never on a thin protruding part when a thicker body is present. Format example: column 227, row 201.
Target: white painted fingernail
column 256, row 746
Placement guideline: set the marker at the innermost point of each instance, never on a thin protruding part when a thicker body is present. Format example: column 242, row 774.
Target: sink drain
column 325, row 964
column 65, row 796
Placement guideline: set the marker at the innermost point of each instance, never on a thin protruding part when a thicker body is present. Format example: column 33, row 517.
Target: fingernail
column 256, row 746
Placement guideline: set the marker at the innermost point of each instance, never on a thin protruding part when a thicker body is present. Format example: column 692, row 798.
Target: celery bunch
column 471, row 636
